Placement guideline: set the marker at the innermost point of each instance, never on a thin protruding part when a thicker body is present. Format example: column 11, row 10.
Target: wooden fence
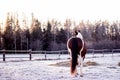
column 103, row 51
column 30, row 52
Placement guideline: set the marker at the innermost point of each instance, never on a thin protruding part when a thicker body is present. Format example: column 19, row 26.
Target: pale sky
column 61, row 9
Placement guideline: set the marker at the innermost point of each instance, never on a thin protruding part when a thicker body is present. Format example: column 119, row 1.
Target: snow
column 107, row 69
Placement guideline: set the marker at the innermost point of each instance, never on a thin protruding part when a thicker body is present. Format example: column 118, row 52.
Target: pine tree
column 8, row 38
column 1, row 43
column 61, row 36
column 17, row 35
column 47, row 35
column 36, row 35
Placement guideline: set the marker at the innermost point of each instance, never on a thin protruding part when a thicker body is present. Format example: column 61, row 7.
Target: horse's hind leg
column 81, row 66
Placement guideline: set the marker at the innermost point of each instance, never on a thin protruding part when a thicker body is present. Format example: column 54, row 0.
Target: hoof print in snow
column 81, row 75
column 112, row 67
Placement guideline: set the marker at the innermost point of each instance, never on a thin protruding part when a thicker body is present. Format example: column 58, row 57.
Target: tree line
column 53, row 34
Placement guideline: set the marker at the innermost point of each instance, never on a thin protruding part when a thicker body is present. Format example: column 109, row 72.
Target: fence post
column 59, row 54
column 3, row 54
column 112, row 52
column 103, row 52
column 30, row 54
column 93, row 53
column 45, row 55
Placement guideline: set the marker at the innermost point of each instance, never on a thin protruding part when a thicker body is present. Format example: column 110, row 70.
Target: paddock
column 107, row 69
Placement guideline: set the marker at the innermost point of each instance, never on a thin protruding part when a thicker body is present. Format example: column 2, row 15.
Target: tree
column 17, row 36
column 1, row 43
column 67, row 26
column 61, row 39
column 47, row 37
column 8, row 37
column 99, row 33
column 36, row 31
column 61, row 36
column 36, row 35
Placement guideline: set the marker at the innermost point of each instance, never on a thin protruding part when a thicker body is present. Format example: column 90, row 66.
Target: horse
column 77, row 49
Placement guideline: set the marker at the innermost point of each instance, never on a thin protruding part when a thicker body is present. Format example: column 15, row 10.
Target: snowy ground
column 107, row 69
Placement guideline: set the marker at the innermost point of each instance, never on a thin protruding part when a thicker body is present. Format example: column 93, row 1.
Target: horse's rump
column 75, row 44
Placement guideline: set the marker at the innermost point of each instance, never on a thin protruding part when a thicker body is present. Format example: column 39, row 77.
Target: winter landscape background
column 46, row 25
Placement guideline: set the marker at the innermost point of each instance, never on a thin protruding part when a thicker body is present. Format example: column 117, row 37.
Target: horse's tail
column 74, row 55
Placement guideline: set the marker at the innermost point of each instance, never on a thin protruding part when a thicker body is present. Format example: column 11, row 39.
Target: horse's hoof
column 73, row 76
column 77, row 74
column 81, row 75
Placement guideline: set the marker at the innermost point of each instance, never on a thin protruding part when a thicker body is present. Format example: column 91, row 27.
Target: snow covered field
column 107, row 69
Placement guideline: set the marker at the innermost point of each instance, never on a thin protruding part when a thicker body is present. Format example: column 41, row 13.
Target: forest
column 52, row 35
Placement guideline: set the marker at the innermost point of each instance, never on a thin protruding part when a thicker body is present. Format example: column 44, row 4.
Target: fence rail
column 59, row 53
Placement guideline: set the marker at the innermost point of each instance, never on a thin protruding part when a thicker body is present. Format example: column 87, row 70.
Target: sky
column 61, row 9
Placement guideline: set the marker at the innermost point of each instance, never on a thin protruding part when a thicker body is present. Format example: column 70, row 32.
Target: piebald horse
column 77, row 49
